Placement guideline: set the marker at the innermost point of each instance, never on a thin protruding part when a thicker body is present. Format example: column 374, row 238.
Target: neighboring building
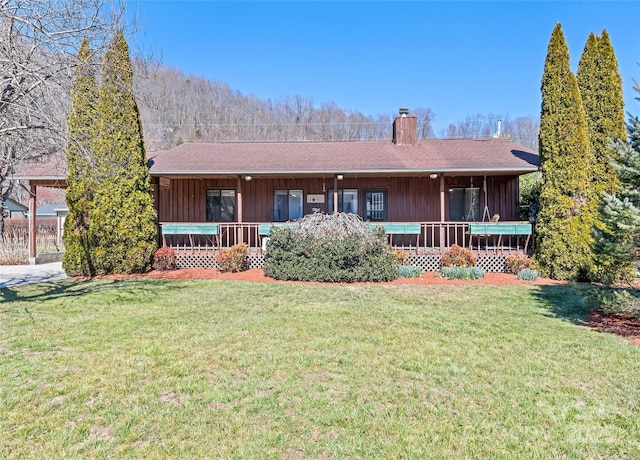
column 14, row 210
column 50, row 212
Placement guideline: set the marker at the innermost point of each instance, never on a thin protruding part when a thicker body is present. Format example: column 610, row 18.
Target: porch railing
column 434, row 237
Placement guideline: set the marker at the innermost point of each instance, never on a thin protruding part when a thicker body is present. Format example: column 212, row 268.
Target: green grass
column 214, row 369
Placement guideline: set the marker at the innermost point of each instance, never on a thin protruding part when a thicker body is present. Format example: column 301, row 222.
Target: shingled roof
column 468, row 156
column 362, row 157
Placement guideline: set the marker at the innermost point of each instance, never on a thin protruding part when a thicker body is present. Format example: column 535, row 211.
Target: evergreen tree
column 601, row 91
column 123, row 221
column 82, row 115
column 618, row 240
column 567, row 206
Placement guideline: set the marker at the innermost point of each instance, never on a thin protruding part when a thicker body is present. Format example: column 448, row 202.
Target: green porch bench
column 499, row 229
column 392, row 229
column 264, row 230
column 189, row 229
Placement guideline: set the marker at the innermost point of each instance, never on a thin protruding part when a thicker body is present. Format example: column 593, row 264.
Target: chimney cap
column 404, row 111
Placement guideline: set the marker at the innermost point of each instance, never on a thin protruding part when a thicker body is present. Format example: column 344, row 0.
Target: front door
column 375, row 205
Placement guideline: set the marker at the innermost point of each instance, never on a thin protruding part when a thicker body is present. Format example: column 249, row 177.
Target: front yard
column 147, row 368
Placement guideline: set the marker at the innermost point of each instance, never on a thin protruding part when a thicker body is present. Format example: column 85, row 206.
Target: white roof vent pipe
column 498, row 133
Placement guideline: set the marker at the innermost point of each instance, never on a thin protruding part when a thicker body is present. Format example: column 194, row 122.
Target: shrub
column 616, row 300
column 409, row 271
column 528, row 274
column 233, row 259
column 330, row 248
column 517, row 262
column 401, row 256
column 462, row 273
column 14, row 248
column 165, row 259
column 457, row 256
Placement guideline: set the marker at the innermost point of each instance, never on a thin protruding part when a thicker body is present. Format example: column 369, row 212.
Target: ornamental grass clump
column 462, row 273
column 330, row 248
column 409, row 271
column 528, row 274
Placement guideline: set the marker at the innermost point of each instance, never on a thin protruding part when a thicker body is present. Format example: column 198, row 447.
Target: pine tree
column 123, row 221
column 567, row 206
column 601, row 91
column 82, row 115
column 618, row 240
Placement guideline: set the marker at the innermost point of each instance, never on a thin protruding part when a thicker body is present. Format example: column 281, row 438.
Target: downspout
column 32, row 225
column 442, row 216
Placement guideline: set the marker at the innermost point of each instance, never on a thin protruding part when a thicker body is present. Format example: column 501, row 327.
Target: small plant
column 165, row 259
column 409, row 271
column 517, row 262
column 400, row 256
column 457, row 256
column 528, row 274
column 462, row 273
column 233, row 259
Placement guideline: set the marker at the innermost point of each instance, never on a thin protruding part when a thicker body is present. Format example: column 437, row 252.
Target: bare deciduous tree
column 39, row 40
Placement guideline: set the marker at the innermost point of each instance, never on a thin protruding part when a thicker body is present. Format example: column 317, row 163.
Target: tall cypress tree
column 567, row 207
column 123, row 220
column 80, row 180
column 601, row 91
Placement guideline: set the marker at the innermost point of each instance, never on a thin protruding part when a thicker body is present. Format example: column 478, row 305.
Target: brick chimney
column 405, row 128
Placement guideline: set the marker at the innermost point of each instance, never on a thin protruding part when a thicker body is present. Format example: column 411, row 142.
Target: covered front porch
column 424, row 242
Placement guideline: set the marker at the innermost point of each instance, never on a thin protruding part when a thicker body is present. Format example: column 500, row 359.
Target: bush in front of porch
column 330, row 248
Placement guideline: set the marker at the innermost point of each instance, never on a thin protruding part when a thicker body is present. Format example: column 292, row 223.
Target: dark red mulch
column 617, row 323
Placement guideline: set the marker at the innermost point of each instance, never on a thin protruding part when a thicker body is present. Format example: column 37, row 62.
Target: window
column 287, row 205
column 464, row 204
column 376, row 204
column 221, row 205
column 347, row 201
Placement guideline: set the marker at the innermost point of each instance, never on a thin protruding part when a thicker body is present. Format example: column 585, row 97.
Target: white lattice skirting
column 427, row 263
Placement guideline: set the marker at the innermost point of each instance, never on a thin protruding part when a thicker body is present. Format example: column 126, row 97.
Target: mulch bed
column 617, row 323
column 620, row 324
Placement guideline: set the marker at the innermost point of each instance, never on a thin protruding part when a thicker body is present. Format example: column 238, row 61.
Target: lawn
column 222, row 369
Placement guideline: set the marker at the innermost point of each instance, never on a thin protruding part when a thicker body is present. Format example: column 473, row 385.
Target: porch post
column 442, row 215
column 335, row 194
column 240, row 237
column 32, row 225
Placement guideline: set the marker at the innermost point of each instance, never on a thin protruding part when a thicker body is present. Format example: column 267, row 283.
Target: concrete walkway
column 15, row 275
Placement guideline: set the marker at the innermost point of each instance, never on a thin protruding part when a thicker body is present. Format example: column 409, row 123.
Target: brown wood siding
column 410, row 199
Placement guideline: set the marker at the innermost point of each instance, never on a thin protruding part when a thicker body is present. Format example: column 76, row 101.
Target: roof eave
column 518, row 170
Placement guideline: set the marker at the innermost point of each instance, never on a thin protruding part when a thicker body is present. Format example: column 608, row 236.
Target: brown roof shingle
column 362, row 157
column 432, row 155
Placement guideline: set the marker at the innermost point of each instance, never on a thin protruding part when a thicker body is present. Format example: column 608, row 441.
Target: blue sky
column 457, row 58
